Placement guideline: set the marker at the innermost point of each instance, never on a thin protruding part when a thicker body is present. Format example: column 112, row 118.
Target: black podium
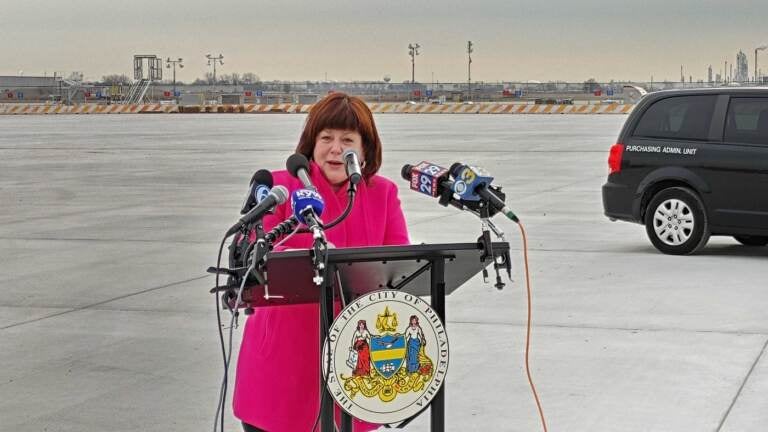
column 433, row 270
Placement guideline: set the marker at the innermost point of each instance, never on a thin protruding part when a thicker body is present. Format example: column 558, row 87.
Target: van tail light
column 614, row 158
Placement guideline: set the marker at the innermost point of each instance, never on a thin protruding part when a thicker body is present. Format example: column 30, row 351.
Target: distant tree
column 75, row 76
column 229, row 79
column 115, row 79
column 250, row 78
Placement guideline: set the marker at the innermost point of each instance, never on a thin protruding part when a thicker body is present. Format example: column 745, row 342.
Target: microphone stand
column 319, row 246
column 503, row 261
column 351, row 191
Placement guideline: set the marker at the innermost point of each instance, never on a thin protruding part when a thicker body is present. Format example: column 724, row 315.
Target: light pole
column 168, row 63
column 413, row 51
column 469, row 68
column 212, row 61
column 760, row 48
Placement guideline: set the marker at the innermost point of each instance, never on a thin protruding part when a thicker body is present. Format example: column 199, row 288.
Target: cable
column 295, row 230
column 228, row 356
column 221, row 334
column 347, row 210
column 528, row 327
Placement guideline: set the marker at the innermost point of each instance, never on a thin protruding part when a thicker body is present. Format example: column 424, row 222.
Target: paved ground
column 108, row 223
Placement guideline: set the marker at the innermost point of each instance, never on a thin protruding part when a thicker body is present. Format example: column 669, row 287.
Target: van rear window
column 680, row 117
column 747, row 121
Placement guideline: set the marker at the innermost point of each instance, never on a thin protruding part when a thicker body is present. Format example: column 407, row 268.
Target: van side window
column 682, row 117
column 747, row 121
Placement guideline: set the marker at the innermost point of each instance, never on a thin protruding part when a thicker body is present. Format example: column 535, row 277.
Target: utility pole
column 469, row 68
column 212, row 61
column 413, row 51
column 760, row 48
column 168, row 63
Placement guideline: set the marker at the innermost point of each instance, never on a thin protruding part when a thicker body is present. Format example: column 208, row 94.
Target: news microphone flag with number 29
column 426, row 178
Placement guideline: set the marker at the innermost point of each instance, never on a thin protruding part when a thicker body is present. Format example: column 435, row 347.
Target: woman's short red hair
column 344, row 112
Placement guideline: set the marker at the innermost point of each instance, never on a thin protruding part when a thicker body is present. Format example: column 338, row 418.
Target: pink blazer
column 277, row 387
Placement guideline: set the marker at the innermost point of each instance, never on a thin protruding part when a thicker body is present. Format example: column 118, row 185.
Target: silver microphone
column 276, row 196
column 352, row 165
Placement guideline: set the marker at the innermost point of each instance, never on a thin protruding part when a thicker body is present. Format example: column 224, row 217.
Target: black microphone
column 261, row 183
column 276, row 196
column 298, row 165
column 352, row 165
column 476, row 181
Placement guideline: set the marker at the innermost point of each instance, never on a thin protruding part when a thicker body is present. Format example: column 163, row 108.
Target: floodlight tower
column 168, row 63
column 760, row 48
column 413, row 51
column 212, row 61
column 469, row 68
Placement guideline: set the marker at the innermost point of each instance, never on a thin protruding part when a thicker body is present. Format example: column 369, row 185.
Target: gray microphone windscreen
column 281, row 193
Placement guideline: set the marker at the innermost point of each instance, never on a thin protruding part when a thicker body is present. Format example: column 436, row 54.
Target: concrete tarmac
column 107, row 224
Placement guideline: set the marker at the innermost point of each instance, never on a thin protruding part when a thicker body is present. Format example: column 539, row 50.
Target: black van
column 693, row 163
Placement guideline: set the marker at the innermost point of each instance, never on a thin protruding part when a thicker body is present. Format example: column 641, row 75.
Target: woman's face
column 329, row 146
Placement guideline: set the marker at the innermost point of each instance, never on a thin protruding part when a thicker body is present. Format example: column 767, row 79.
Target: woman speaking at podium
column 277, row 387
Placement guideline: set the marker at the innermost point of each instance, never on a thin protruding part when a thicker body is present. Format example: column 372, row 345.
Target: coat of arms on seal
column 389, row 356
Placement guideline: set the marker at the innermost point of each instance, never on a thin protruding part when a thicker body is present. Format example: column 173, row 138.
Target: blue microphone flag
column 303, row 199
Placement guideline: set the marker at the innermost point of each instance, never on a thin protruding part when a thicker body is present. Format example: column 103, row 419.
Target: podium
column 433, row 270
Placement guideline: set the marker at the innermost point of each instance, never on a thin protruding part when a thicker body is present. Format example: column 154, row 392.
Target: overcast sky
column 364, row 40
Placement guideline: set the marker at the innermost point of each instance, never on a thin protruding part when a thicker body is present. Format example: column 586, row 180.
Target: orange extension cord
column 528, row 328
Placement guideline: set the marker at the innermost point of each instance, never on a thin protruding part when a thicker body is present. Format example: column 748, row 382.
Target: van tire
column 676, row 221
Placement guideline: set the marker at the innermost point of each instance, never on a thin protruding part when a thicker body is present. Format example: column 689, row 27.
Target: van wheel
column 752, row 240
column 676, row 222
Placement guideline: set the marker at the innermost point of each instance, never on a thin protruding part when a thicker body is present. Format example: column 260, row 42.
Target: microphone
column 467, row 179
column 352, row 165
column 261, row 183
column 473, row 183
column 276, row 196
column 307, row 206
column 427, row 178
column 298, row 165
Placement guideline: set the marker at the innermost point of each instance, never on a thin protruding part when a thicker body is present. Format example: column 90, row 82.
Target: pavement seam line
column 104, row 240
column 103, row 302
column 741, row 387
column 111, row 151
column 626, row 329
column 115, row 240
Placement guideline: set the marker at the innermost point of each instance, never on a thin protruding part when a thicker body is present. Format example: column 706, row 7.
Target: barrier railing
column 378, row 108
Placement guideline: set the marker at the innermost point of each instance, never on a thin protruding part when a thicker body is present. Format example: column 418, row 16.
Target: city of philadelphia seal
column 388, row 354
